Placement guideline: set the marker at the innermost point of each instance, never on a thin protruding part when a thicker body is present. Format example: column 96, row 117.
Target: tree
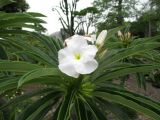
column 114, row 12
column 148, row 23
column 66, row 12
column 11, row 7
column 155, row 8
column 16, row 6
column 86, row 18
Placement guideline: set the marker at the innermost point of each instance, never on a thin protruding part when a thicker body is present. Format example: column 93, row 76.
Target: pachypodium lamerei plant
column 75, row 79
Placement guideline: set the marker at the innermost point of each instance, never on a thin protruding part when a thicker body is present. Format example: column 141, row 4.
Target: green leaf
column 13, row 32
column 34, row 110
column 49, row 42
column 94, row 108
column 144, row 101
column 66, row 106
column 125, row 71
column 124, row 53
column 5, row 2
column 43, row 111
column 128, row 103
column 3, row 54
column 19, row 20
column 8, row 83
column 17, row 66
column 114, row 109
column 34, row 52
column 34, row 14
column 37, row 74
column 80, row 110
column 26, row 96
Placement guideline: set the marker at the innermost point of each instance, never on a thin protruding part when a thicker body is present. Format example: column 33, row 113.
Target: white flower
column 77, row 57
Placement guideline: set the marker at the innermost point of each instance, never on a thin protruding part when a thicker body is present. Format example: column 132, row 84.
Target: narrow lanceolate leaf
column 94, row 108
column 66, row 106
column 129, row 103
column 7, row 33
column 20, row 15
column 124, row 53
column 8, row 83
column 33, row 110
column 124, row 71
column 41, row 114
column 145, row 40
column 17, row 66
column 144, row 101
column 18, row 20
column 34, row 52
column 37, row 74
column 24, row 25
column 49, row 43
column 34, row 14
column 5, row 2
column 3, row 54
column 80, row 110
column 113, row 108
column 26, row 96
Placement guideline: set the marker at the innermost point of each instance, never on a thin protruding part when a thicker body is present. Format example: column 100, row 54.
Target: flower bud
column 119, row 33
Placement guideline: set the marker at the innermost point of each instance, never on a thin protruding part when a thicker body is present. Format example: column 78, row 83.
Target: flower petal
column 87, row 67
column 64, row 54
column 76, row 40
column 69, row 69
column 90, row 50
column 101, row 37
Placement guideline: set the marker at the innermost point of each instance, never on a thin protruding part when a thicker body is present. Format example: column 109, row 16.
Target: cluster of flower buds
column 125, row 37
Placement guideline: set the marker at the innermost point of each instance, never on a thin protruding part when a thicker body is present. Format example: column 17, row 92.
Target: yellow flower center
column 77, row 56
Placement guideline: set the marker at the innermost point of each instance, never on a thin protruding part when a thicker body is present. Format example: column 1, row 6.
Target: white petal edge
column 87, row 67
column 62, row 54
column 89, row 51
column 69, row 69
column 65, row 54
column 76, row 40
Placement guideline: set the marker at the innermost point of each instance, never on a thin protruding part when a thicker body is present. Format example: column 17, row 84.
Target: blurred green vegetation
column 143, row 17
column 16, row 6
